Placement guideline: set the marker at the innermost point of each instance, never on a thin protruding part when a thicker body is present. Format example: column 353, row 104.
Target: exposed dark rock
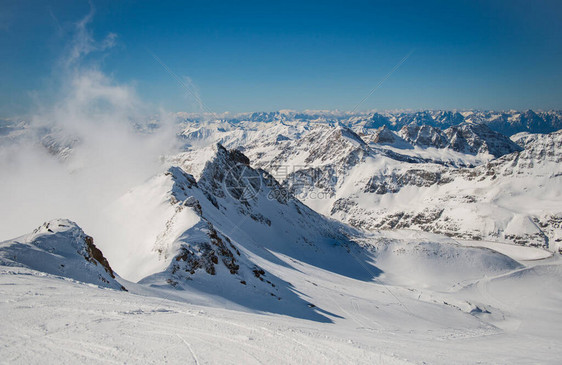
column 95, row 256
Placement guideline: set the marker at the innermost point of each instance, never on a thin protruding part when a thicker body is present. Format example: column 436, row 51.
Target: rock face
column 60, row 247
column 384, row 136
column 205, row 254
column 466, row 138
column 199, row 247
column 394, row 182
column 462, row 202
column 59, row 144
column 478, row 138
column 424, row 136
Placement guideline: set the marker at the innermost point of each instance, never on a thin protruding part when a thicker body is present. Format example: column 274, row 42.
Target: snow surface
column 142, row 215
column 508, row 314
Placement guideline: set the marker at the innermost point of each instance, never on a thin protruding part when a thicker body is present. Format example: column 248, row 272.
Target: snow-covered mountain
column 466, row 138
column 476, row 139
column 315, row 236
column 211, row 233
column 505, row 122
column 513, row 122
column 421, row 178
column 424, row 129
column 515, row 198
column 424, row 135
column 60, row 247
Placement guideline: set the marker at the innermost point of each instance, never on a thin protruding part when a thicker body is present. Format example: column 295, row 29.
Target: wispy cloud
column 109, row 154
column 83, row 42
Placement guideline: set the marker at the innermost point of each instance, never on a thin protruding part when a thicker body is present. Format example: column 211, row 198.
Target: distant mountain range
column 504, row 122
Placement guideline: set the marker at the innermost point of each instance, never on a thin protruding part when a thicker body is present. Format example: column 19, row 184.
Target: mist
column 110, row 154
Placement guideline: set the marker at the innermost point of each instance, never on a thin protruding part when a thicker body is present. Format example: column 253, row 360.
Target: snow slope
column 214, row 233
column 488, row 310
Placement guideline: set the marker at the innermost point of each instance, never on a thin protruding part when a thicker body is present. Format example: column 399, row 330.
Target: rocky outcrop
column 60, row 247
column 472, row 139
column 479, row 139
column 424, row 136
column 394, row 182
column 383, row 135
column 206, row 253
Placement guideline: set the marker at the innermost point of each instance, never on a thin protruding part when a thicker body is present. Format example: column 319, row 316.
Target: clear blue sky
column 270, row 55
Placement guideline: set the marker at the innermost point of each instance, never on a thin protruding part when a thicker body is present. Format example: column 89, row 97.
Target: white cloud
column 110, row 157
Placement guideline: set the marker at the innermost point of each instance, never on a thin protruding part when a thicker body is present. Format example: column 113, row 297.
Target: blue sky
column 270, row 55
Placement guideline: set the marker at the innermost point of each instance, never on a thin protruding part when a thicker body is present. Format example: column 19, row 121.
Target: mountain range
column 430, row 226
column 505, row 122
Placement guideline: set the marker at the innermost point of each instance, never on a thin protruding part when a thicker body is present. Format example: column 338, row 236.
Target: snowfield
column 508, row 315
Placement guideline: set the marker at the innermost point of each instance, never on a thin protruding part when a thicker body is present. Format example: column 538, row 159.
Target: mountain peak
column 233, row 155
column 60, row 247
